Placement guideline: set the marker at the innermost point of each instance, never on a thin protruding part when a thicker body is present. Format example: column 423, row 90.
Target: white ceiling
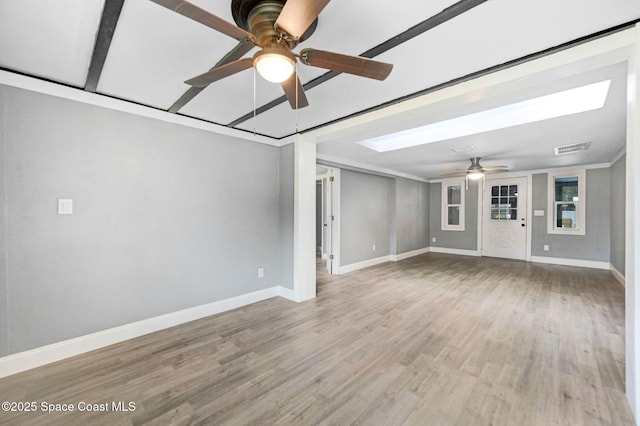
column 154, row 50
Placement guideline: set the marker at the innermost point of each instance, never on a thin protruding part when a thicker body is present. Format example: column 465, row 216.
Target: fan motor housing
column 259, row 17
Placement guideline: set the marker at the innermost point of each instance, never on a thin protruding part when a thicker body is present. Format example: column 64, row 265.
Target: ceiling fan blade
column 297, row 15
column 205, row 18
column 495, row 168
column 220, row 72
column 234, row 54
column 490, row 171
column 453, row 174
column 356, row 65
column 291, row 87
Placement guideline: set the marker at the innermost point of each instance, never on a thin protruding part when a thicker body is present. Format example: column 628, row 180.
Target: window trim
column 581, row 205
column 444, row 226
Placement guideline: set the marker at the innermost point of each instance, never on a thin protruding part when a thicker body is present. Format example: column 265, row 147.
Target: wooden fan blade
column 205, row 18
column 356, row 65
column 289, row 87
column 221, row 72
column 297, row 15
column 233, row 55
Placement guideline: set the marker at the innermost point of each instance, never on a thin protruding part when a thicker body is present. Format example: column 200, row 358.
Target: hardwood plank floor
column 431, row 340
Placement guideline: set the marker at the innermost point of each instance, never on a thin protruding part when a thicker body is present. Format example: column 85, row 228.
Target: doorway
column 327, row 217
column 504, row 218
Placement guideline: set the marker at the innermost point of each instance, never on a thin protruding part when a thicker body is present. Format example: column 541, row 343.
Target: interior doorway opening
column 327, row 218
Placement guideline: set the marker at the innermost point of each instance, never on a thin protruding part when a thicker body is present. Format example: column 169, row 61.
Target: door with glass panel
column 504, row 228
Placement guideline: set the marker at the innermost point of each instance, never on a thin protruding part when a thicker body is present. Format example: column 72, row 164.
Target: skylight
column 560, row 104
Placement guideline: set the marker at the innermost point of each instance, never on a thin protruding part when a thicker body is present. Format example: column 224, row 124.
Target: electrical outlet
column 260, row 272
column 433, row 239
column 373, row 248
column 545, row 247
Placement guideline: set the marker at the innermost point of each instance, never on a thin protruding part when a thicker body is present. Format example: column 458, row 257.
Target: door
column 504, row 227
column 327, row 223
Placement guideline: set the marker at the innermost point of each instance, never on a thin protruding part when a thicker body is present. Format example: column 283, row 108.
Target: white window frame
column 446, row 183
column 581, row 204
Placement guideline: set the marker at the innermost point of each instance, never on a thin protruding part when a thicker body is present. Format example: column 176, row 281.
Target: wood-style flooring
column 432, row 340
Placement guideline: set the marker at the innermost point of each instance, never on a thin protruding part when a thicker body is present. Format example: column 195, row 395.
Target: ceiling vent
column 570, row 149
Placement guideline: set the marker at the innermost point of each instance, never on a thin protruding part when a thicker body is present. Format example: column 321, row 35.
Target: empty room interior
column 319, row 212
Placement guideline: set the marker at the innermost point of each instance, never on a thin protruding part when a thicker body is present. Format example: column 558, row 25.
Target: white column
column 632, row 249
column 304, row 219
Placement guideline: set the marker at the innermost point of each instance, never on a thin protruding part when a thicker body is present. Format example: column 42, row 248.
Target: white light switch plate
column 65, row 206
column 538, row 212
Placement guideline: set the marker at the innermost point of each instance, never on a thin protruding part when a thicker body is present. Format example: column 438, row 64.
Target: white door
column 327, row 222
column 504, row 229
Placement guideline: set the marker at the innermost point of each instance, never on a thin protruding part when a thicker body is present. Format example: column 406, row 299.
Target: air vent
column 570, row 149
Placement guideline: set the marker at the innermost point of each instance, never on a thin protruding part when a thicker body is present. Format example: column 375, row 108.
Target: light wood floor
column 432, row 340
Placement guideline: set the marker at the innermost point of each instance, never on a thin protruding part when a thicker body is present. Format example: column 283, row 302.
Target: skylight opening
column 560, row 104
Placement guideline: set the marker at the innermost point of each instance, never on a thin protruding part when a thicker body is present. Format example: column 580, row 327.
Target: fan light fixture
column 274, row 64
column 474, row 172
column 560, row 104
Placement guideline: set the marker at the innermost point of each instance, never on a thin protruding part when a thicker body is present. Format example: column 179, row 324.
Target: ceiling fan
column 476, row 171
column 276, row 27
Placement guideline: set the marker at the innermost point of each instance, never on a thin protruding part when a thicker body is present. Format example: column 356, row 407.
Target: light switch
column 65, row 206
column 538, row 212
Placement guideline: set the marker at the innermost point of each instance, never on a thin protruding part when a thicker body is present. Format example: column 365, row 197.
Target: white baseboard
column 382, row 259
column 571, row 262
column 460, row 252
column 37, row 357
column 287, row 293
column 364, row 264
column 408, row 254
column 618, row 275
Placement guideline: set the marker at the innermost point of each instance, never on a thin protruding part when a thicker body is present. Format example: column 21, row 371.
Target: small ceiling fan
column 276, row 27
column 476, row 171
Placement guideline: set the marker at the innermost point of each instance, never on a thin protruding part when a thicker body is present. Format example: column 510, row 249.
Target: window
column 504, row 202
column 453, row 205
column 566, row 203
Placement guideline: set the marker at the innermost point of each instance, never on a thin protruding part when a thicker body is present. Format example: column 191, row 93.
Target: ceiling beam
column 108, row 22
column 445, row 15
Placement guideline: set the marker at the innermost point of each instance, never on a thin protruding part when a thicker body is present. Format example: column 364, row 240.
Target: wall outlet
column 373, row 247
column 545, row 247
column 433, row 239
column 260, row 272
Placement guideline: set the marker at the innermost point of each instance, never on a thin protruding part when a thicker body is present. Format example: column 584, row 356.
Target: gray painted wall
column 595, row 245
column 411, row 216
column 286, row 158
column 462, row 240
column 165, row 218
column 365, row 216
column 618, row 199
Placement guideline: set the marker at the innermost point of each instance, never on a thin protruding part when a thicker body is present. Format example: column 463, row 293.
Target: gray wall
column 165, row 218
column 411, row 216
column 286, row 159
column 618, row 199
column 463, row 240
column 592, row 246
column 365, row 216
